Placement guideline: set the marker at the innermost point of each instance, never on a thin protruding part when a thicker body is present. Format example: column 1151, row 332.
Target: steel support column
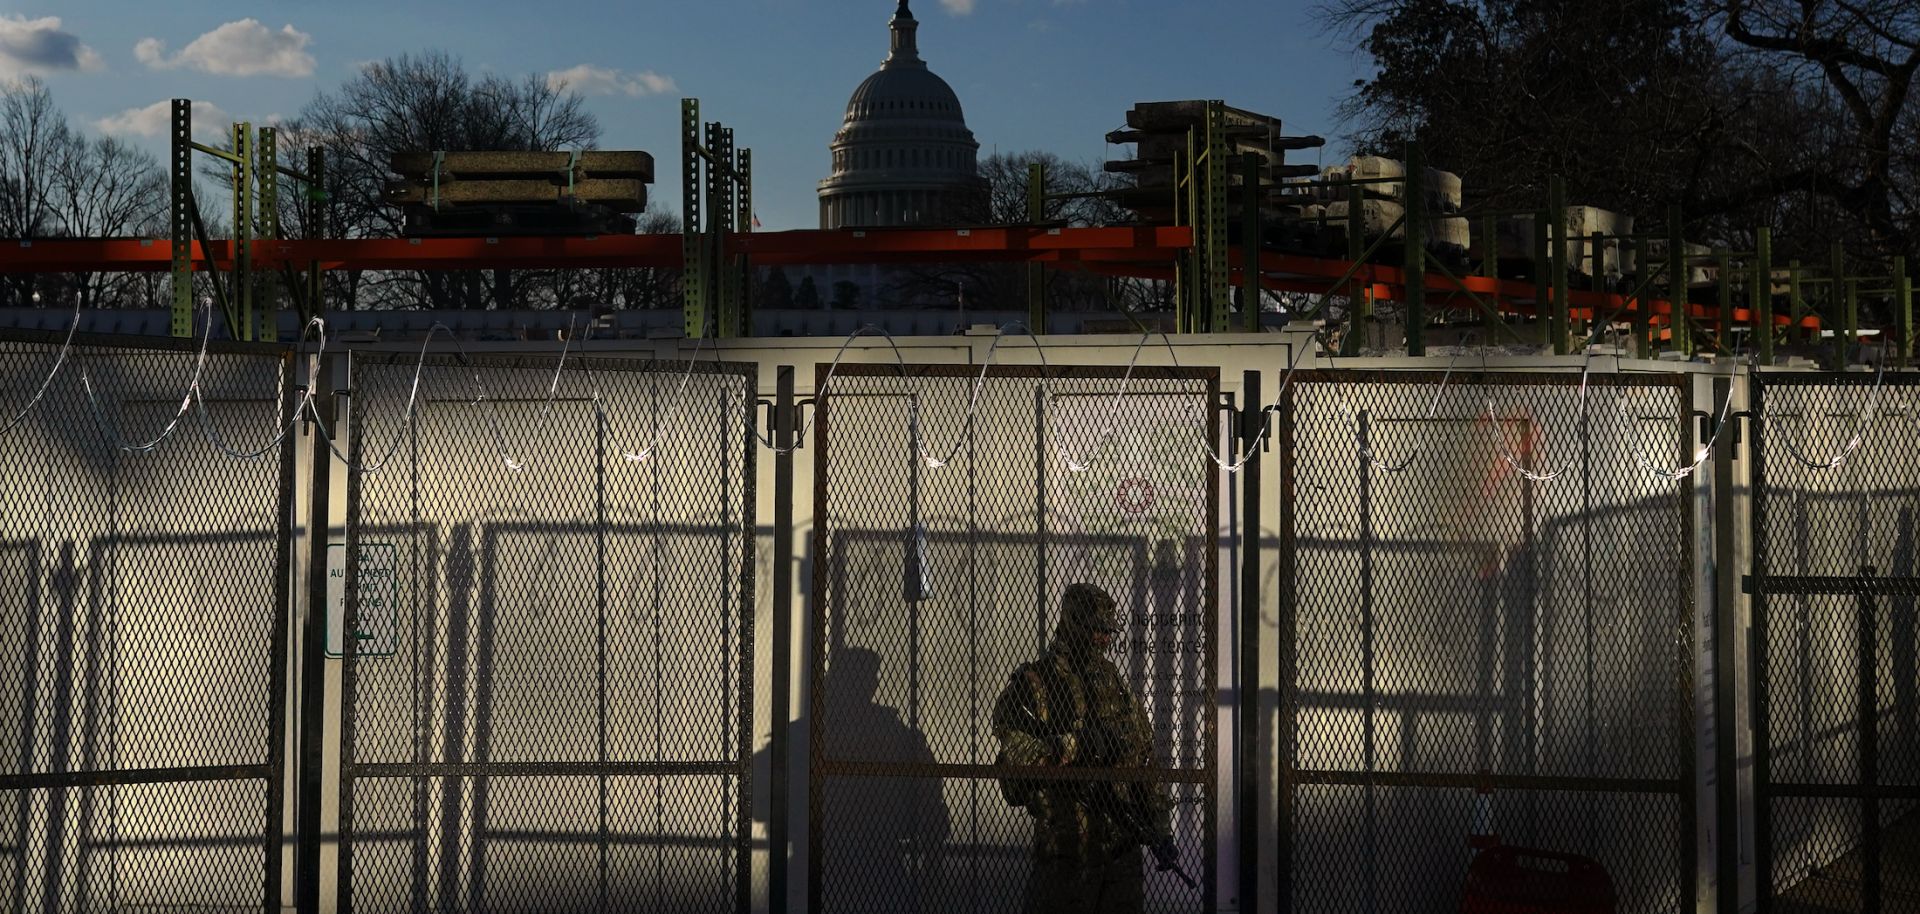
column 1677, row 282
column 693, row 285
column 1760, row 298
column 180, row 217
column 1902, row 311
column 1036, row 277
column 240, row 297
column 266, row 324
column 1561, row 316
column 1416, row 252
column 1250, row 243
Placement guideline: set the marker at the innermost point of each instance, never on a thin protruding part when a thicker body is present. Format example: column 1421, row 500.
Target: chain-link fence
column 1836, row 681
column 1487, row 637
column 549, row 646
column 1486, row 651
column 141, row 628
column 1014, row 639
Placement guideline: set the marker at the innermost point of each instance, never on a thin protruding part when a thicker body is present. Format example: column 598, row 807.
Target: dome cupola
column 903, row 154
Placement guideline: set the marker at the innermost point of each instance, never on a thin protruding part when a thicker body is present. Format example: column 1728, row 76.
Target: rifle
column 1134, row 817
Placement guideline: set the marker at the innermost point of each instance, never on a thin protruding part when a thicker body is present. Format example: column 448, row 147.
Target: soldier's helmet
column 1085, row 609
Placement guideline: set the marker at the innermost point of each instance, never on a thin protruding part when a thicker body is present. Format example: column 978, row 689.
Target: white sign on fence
column 375, row 634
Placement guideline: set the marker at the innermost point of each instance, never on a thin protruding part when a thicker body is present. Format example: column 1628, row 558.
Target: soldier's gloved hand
column 1166, row 854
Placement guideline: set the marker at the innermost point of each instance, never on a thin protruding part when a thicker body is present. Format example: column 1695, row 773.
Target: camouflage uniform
column 1071, row 709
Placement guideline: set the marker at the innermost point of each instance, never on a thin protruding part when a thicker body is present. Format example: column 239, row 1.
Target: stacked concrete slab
column 1607, row 257
column 1158, row 132
column 1384, row 204
column 520, row 192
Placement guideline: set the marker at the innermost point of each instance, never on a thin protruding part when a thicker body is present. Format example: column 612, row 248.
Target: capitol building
column 903, row 154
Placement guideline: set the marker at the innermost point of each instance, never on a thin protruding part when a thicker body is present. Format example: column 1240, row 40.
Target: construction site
column 1401, row 553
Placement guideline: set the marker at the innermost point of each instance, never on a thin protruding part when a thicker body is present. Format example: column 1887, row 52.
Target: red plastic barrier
column 1519, row 880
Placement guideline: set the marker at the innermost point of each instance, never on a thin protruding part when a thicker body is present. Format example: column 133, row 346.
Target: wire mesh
column 1472, row 657
column 972, row 752
column 550, row 695
column 141, row 632
column 1837, row 689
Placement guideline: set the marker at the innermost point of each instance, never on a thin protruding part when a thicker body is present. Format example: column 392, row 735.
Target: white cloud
column 243, row 47
column 39, row 46
column 156, row 119
column 588, row 79
column 958, row 7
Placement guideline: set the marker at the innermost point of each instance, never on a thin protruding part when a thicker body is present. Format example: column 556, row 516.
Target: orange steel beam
column 1298, row 273
column 1002, row 244
column 1145, row 252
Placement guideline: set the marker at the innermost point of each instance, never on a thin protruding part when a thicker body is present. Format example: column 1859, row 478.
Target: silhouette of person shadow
column 883, row 837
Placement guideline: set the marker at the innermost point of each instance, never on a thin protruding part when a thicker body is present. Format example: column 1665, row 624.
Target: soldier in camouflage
column 1070, row 709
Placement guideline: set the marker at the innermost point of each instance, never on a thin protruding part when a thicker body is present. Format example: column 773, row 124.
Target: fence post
column 312, row 664
column 1253, row 421
column 778, row 820
column 1726, row 622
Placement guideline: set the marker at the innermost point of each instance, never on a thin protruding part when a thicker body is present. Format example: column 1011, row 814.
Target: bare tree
column 420, row 104
column 1852, row 63
column 1794, row 114
column 33, row 135
column 105, row 188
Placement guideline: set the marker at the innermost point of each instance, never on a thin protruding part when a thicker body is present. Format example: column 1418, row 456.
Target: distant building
column 903, row 154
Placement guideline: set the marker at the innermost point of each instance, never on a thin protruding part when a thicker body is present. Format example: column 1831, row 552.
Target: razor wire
column 59, row 361
column 1531, row 474
column 112, row 430
column 292, row 420
column 1863, row 420
column 1700, row 455
column 934, row 458
column 411, row 414
column 1353, row 419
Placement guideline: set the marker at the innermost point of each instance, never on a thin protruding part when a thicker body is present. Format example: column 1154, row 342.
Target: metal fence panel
column 944, row 545
column 1837, row 717
column 549, row 661
column 1470, row 647
column 142, row 628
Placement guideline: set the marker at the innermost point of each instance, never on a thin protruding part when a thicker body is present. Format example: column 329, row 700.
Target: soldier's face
column 1102, row 640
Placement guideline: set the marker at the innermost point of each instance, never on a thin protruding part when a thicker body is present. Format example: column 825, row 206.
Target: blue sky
column 1032, row 74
